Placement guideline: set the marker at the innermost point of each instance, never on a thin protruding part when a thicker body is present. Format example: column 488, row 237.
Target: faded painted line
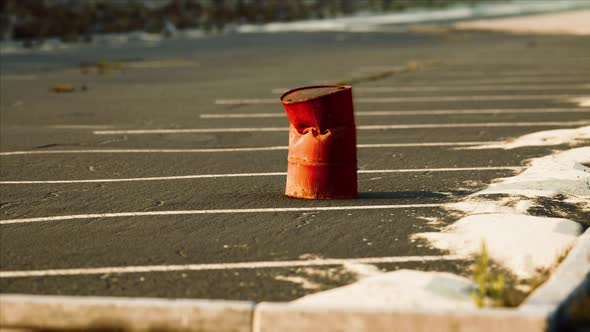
column 371, row 127
column 238, row 175
column 404, row 113
column 250, row 149
column 380, row 100
column 222, row 211
column 224, row 266
column 379, row 89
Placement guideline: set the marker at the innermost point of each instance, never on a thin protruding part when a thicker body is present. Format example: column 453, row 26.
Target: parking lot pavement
column 166, row 179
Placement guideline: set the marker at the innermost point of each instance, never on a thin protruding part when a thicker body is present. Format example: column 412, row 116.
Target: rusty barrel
column 322, row 142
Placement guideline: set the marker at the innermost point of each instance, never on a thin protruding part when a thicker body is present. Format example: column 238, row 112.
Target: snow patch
column 433, row 221
column 403, row 289
column 542, row 138
column 310, row 256
column 505, row 205
column 561, row 173
column 358, row 270
column 303, row 282
column 362, row 270
column 583, row 101
column 520, row 242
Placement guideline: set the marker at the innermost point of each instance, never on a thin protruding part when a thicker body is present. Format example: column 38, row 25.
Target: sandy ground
column 574, row 23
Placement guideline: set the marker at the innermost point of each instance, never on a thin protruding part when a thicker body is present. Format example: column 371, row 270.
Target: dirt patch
column 372, row 77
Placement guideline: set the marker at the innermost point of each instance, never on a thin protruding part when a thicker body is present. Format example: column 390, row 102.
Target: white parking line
column 383, row 89
column 483, row 81
column 81, row 126
column 186, row 131
column 508, row 80
column 238, row 175
column 454, row 73
column 380, row 100
column 370, row 127
column 249, row 149
column 447, row 169
column 157, row 178
column 224, row 266
column 404, row 113
column 262, row 148
column 222, row 211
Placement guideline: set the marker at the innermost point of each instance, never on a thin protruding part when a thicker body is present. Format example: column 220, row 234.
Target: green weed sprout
column 488, row 286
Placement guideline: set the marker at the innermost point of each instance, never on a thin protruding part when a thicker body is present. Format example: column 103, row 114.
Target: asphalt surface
column 173, row 93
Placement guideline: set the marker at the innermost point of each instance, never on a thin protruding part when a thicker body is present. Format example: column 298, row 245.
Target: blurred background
column 33, row 21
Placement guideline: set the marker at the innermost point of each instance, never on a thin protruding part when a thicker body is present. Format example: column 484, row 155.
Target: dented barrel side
column 322, row 160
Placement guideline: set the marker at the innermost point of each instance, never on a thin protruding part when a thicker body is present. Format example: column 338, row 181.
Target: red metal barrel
column 322, row 142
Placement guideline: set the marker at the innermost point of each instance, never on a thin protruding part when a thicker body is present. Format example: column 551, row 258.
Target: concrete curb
column 36, row 312
column 25, row 312
column 110, row 313
column 568, row 275
column 283, row 317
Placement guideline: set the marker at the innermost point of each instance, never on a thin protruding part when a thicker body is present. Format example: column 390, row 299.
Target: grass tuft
column 490, row 288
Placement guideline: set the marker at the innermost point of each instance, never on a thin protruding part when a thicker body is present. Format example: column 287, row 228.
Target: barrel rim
column 340, row 86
